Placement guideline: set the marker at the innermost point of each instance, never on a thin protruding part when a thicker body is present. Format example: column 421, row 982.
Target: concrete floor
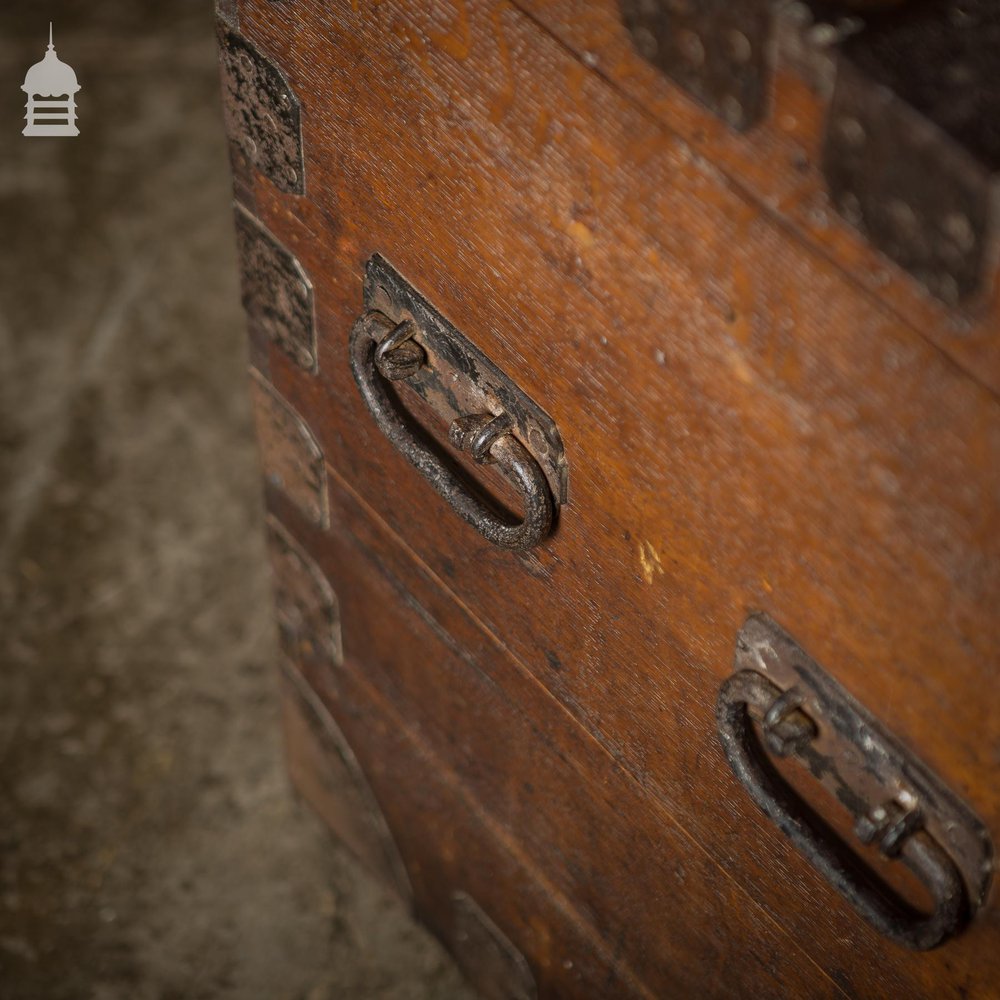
column 150, row 846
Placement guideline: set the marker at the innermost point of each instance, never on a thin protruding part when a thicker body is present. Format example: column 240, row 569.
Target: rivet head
column 739, row 46
column 852, row 132
column 691, row 48
column 850, row 208
column 947, row 288
column 536, row 439
column 732, row 111
column 959, row 230
column 823, row 35
column 902, row 216
column 645, row 42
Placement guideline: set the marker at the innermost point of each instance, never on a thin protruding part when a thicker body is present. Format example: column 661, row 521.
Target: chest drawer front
column 441, row 837
column 464, row 715
column 742, row 437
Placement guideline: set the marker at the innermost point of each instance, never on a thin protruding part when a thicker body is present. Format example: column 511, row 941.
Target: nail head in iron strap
column 512, row 458
column 896, row 802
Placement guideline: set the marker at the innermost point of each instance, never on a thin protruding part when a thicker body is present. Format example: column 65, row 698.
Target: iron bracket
column 912, row 150
column 262, row 113
column 717, row 50
column 277, row 292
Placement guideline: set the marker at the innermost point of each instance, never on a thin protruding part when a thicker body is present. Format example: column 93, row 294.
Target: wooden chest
column 626, row 384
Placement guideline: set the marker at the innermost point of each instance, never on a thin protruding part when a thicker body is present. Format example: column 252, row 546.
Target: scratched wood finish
column 779, row 163
column 610, row 859
column 444, row 838
column 746, row 428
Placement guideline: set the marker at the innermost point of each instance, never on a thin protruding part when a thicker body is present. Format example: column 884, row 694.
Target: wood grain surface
column 778, row 164
column 659, row 917
column 747, row 428
column 450, row 845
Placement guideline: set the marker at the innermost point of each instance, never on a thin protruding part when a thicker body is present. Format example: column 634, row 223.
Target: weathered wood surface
column 778, row 163
column 445, row 839
column 746, row 427
column 661, row 917
column 481, row 682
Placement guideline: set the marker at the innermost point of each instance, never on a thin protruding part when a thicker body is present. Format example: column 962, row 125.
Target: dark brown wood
column 447, row 842
column 747, row 427
column 616, row 863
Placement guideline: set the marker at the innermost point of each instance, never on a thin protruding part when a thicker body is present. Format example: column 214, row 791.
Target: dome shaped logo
column 51, row 88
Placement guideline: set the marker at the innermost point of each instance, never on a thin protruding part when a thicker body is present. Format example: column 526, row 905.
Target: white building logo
column 51, row 86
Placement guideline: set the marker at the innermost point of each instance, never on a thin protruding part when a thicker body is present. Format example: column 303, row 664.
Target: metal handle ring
column 882, row 907
column 370, row 365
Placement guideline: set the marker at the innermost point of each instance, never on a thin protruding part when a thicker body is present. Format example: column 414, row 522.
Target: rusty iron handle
column 381, row 351
column 787, row 727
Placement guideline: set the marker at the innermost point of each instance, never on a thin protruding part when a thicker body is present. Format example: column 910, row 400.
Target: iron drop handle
column 788, row 730
column 382, row 351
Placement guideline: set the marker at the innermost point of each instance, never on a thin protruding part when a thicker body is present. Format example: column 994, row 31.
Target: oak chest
column 626, row 386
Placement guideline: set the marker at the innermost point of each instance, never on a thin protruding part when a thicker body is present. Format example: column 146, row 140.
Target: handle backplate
column 401, row 338
column 457, row 378
column 895, row 801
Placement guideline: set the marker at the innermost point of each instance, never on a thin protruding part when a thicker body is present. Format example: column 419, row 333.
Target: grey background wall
column 150, row 845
